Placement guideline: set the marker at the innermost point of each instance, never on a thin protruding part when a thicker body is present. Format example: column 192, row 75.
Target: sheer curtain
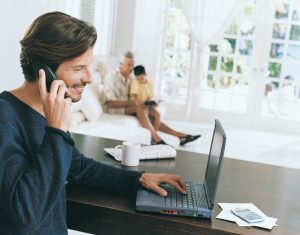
column 208, row 19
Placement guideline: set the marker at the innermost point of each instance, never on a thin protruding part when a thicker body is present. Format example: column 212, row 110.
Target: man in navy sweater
column 37, row 153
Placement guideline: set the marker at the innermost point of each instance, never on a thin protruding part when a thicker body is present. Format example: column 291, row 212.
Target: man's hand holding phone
column 57, row 108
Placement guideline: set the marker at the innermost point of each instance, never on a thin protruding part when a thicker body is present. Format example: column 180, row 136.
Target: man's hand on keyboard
column 152, row 181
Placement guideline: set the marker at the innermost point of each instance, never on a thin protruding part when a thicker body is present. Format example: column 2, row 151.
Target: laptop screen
column 214, row 163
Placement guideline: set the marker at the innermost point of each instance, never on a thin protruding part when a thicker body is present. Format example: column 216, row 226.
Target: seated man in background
column 116, row 87
column 37, row 153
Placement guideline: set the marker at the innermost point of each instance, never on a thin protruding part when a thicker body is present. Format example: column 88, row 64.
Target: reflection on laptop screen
column 215, row 157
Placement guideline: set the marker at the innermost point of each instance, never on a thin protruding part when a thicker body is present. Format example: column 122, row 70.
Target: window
column 87, row 11
column 176, row 55
column 282, row 81
column 228, row 63
column 251, row 75
column 101, row 14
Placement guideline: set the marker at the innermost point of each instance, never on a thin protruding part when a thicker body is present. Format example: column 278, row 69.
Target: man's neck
column 29, row 94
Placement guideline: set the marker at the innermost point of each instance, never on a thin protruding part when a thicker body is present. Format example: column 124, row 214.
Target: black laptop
column 200, row 197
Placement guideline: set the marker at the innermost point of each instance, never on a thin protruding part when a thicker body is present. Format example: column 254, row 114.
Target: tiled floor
column 281, row 149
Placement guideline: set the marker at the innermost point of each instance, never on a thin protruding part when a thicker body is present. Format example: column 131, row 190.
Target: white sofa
column 88, row 116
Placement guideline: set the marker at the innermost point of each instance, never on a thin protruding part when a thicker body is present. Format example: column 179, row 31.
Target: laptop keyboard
column 176, row 199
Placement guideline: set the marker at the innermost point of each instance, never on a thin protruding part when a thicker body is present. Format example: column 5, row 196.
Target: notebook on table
column 200, row 198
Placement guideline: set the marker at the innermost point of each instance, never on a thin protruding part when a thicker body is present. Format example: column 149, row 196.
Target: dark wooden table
column 275, row 190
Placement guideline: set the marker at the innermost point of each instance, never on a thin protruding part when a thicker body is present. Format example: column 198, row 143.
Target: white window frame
column 163, row 51
column 104, row 22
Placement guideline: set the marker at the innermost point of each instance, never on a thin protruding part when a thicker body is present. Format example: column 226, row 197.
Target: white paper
column 74, row 232
column 226, row 214
column 147, row 152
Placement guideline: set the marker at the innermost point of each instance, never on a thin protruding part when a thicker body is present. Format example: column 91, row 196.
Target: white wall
column 124, row 26
column 16, row 16
column 140, row 36
column 146, row 37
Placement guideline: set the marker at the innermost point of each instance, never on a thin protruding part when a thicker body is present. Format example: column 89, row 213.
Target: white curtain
column 208, row 19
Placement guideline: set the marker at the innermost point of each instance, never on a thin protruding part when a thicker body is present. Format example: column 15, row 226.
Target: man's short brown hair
column 52, row 39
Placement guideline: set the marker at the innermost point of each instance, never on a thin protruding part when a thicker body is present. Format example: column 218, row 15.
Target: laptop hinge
column 210, row 206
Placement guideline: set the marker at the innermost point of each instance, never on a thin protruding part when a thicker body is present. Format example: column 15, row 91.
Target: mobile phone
column 150, row 102
column 50, row 75
column 247, row 215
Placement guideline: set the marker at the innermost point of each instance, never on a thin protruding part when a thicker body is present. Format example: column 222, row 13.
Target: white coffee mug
column 130, row 153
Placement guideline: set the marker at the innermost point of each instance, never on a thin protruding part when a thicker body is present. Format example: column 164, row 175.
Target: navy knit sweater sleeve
column 35, row 162
column 31, row 186
column 99, row 175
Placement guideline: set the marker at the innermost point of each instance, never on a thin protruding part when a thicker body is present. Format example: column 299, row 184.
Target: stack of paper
column 226, row 214
column 147, row 152
column 74, row 232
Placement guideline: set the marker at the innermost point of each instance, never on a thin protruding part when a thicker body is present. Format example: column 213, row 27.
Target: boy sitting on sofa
column 116, row 87
column 141, row 90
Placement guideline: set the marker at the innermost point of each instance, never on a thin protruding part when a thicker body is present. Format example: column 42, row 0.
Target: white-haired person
column 116, row 86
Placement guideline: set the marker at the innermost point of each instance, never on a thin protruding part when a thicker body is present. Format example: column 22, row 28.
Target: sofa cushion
column 77, row 118
column 90, row 105
column 113, row 131
column 126, row 120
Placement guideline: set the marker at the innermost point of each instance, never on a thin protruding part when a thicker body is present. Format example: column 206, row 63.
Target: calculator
column 247, row 215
